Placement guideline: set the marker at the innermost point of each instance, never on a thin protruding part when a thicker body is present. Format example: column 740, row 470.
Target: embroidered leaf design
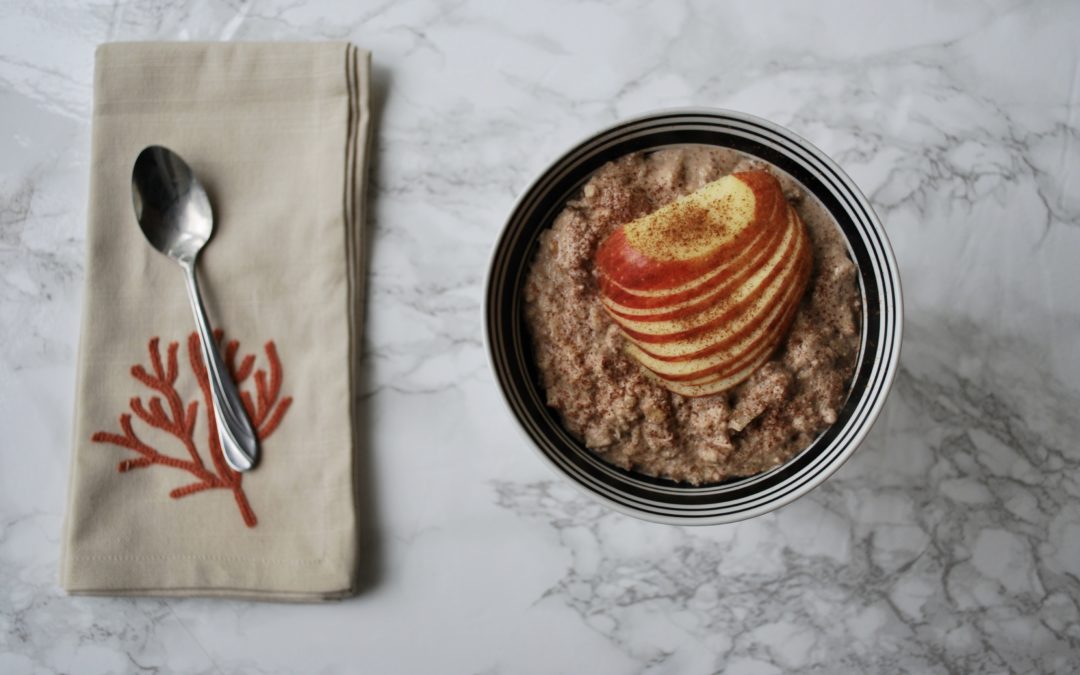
column 165, row 410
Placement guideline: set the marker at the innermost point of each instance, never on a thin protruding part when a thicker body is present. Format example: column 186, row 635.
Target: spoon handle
column 238, row 441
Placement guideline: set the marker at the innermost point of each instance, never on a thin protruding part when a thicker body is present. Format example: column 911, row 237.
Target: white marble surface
column 950, row 543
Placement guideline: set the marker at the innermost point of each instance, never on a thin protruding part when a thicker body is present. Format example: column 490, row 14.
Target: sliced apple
column 752, row 285
column 710, row 385
column 616, row 255
column 731, row 356
column 656, row 308
column 740, row 313
column 682, row 242
column 730, row 349
column 705, row 289
column 713, row 272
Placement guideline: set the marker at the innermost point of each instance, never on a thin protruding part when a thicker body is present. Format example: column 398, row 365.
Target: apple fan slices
column 705, row 288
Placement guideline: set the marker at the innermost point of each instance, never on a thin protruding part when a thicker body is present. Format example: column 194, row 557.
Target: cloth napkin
column 278, row 135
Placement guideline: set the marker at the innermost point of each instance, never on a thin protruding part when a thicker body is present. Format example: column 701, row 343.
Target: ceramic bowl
column 508, row 342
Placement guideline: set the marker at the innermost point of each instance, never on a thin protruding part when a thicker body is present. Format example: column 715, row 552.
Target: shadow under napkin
column 369, row 544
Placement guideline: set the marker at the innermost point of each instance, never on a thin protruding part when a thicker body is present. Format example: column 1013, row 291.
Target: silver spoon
column 174, row 213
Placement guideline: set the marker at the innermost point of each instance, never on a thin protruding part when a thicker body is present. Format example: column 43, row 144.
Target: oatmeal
column 606, row 399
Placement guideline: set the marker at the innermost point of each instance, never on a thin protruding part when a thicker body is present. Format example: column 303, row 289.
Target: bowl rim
column 890, row 269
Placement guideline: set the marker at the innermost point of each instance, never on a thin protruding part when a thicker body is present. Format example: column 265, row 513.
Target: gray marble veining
column 950, row 543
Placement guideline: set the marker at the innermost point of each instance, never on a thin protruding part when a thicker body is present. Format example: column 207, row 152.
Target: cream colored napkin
column 278, row 134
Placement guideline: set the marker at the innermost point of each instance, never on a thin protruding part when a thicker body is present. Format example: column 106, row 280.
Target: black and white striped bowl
column 661, row 500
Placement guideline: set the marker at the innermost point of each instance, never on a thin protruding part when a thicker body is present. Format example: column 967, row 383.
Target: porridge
column 618, row 408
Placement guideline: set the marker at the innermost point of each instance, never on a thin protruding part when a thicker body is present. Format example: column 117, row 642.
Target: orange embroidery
column 265, row 410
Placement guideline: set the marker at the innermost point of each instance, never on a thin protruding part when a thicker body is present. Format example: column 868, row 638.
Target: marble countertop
column 950, row 543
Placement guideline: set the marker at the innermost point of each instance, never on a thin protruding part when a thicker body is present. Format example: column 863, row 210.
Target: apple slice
column 681, row 243
column 719, row 310
column 705, row 288
column 696, row 384
column 710, row 385
column 729, row 352
column 737, row 350
column 713, row 272
column 656, row 308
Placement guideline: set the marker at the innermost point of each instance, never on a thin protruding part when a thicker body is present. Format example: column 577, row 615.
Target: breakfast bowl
column 661, row 498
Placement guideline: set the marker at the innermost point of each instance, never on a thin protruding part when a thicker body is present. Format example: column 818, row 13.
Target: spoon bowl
column 170, row 204
column 175, row 216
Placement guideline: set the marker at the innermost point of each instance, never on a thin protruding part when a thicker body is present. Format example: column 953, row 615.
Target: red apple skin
column 634, row 282
column 797, row 246
column 755, row 360
column 761, row 348
column 632, row 269
column 748, row 259
column 770, row 335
